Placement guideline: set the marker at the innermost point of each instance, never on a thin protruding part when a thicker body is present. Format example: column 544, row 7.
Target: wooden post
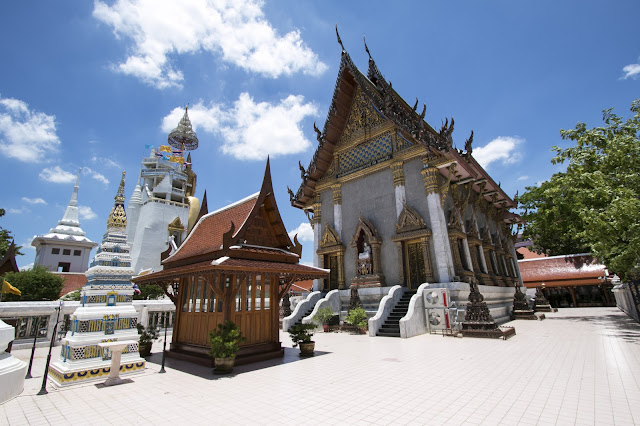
column 573, row 296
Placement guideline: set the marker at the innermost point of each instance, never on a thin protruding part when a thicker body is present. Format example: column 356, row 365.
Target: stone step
column 387, row 334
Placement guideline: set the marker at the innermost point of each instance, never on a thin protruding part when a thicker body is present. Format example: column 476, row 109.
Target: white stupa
column 65, row 248
column 106, row 313
column 162, row 206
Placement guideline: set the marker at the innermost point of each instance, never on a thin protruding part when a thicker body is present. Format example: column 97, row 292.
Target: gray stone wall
column 414, row 189
column 372, row 196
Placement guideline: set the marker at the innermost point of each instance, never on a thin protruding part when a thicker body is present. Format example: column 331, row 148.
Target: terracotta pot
column 325, row 327
column 306, row 349
column 144, row 349
column 224, row 365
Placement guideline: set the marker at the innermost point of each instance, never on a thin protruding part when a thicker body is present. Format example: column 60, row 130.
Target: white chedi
column 106, row 312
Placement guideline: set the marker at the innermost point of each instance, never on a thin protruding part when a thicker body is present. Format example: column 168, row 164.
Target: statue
column 364, row 260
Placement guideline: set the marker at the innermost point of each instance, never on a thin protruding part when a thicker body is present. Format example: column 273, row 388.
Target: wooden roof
column 555, row 271
column 383, row 98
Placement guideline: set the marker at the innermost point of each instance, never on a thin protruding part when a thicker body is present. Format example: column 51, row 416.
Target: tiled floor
column 578, row 367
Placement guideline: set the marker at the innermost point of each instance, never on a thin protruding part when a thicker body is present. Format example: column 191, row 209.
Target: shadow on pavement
column 290, row 355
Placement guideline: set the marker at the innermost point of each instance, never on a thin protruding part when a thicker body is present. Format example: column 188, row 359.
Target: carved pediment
column 409, row 220
column 369, row 230
column 176, row 225
column 330, row 237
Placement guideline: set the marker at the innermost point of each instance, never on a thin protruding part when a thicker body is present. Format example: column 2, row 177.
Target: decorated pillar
column 444, row 270
column 337, row 208
column 315, row 218
column 397, row 172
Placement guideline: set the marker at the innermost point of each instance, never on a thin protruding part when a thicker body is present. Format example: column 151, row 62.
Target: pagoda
column 106, row 313
column 65, row 248
column 162, row 206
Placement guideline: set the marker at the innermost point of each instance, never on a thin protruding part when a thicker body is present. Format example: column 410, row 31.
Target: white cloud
column 505, row 149
column 18, row 211
column 34, row 200
column 236, row 30
column 95, row 175
column 85, row 212
column 106, row 162
column 631, row 70
column 57, row 175
column 304, row 231
column 26, row 135
column 522, row 178
column 250, row 130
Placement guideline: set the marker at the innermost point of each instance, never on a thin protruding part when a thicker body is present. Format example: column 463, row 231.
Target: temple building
column 393, row 202
column 163, row 205
column 106, row 312
column 236, row 264
column 65, row 248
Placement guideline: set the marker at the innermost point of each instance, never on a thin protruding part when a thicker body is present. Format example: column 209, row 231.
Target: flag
column 148, row 146
column 9, row 289
column 136, row 289
column 177, row 159
column 165, row 148
column 176, row 151
column 159, row 154
column 165, row 157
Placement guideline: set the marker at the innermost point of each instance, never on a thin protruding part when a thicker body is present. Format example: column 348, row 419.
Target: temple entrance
column 414, row 265
column 331, row 282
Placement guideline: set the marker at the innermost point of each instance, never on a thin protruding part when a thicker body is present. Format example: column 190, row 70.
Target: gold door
column 414, row 265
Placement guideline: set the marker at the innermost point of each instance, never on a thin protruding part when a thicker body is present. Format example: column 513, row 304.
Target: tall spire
column 183, row 137
column 70, row 217
column 118, row 217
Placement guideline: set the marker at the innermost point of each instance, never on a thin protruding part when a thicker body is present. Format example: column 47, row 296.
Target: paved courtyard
column 579, row 366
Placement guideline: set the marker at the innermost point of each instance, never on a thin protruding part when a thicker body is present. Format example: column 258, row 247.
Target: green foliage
column 225, row 340
column 593, row 206
column 149, row 292
column 357, row 317
column 35, row 284
column 324, row 315
column 74, row 295
column 302, row 333
column 147, row 335
column 5, row 240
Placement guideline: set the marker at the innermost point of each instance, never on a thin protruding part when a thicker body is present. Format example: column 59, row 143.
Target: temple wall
column 373, row 196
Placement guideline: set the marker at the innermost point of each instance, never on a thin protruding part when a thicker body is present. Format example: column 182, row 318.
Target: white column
column 337, row 209
column 444, row 270
column 397, row 172
column 465, row 244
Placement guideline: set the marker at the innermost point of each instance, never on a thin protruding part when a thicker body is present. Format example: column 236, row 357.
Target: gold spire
column 118, row 217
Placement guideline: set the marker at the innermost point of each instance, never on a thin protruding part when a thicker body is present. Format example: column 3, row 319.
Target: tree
column 35, row 284
column 149, row 292
column 5, row 239
column 593, row 206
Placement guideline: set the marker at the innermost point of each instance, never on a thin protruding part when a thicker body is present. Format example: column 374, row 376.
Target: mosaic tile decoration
column 366, row 154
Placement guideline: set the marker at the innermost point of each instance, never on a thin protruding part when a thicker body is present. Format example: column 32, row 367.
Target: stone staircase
column 306, row 314
column 391, row 327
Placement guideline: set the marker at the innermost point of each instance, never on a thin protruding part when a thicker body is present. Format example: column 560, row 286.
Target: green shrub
column 357, row 317
column 225, row 341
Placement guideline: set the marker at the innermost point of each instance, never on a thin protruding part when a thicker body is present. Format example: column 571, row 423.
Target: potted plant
column 325, row 315
column 225, row 343
column 357, row 317
column 147, row 336
column 301, row 334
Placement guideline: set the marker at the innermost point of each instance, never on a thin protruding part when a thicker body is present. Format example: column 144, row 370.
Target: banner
column 165, row 148
column 176, row 159
column 9, row 289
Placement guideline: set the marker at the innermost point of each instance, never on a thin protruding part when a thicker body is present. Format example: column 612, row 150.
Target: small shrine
column 237, row 264
column 106, row 313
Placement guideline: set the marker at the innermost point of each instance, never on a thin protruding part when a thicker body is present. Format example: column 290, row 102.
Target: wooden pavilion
column 236, row 264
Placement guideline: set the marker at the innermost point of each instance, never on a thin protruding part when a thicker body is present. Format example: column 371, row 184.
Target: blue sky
column 88, row 85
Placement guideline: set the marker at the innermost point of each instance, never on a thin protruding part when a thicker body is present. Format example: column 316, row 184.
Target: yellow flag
column 165, row 148
column 176, row 159
column 9, row 289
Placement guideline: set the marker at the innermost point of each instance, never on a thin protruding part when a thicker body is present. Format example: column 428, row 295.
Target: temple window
column 248, row 302
column 267, row 295
column 77, row 252
column 55, row 251
column 66, row 252
column 258, row 291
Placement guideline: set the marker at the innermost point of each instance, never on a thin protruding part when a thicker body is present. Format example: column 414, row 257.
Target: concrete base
column 61, row 375
column 12, row 372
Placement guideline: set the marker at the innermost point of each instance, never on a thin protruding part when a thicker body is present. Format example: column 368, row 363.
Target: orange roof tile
column 565, row 270
column 206, row 236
